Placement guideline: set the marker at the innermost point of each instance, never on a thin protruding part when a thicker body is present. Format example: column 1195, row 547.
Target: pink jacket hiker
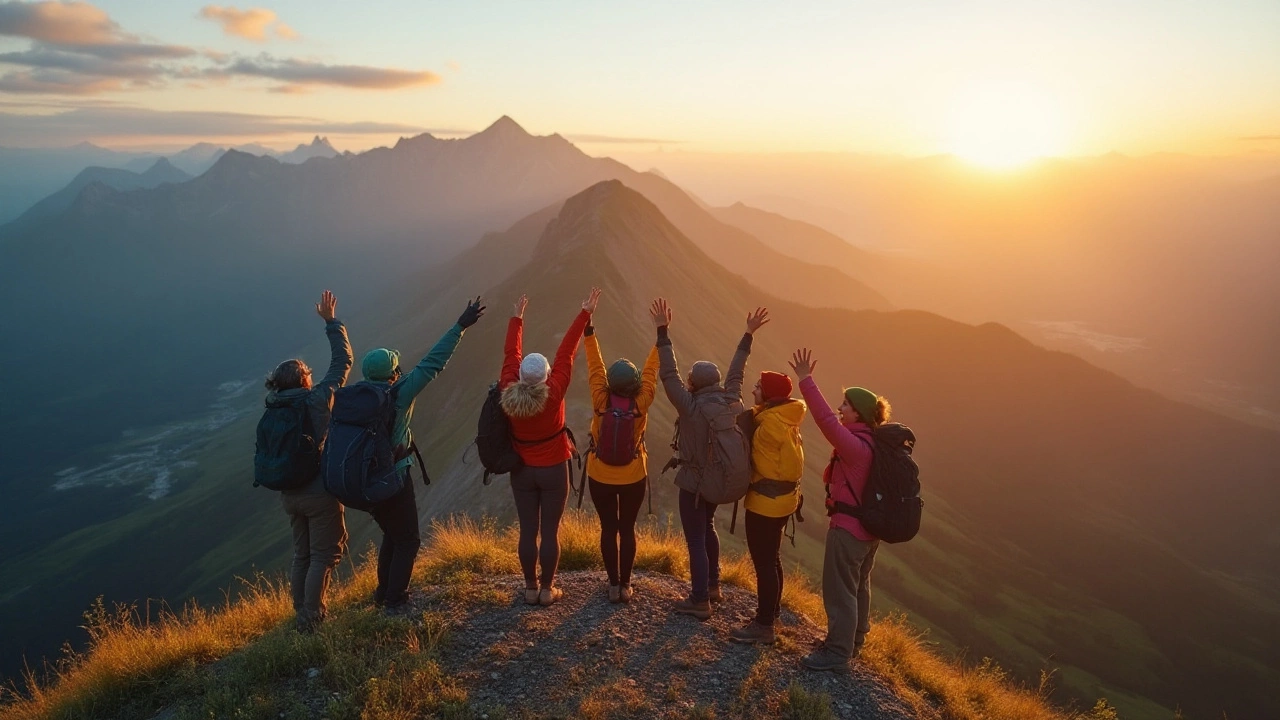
column 852, row 445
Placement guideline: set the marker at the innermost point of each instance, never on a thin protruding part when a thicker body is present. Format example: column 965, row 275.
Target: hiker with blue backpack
column 368, row 459
column 532, row 398
column 290, row 438
column 617, row 468
column 713, row 453
column 872, row 494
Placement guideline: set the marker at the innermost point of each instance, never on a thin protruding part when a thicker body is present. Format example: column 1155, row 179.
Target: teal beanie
column 624, row 378
column 864, row 401
column 380, row 364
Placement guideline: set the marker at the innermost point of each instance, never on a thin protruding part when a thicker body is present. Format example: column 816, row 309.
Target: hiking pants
column 698, row 519
column 398, row 519
column 764, row 542
column 319, row 539
column 541, row 494
column 618, row 507
column 846, row 591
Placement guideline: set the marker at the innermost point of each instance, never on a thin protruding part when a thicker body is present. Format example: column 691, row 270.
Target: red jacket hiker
column 537, row 411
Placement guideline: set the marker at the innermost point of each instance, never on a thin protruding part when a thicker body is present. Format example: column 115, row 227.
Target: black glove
column 473, row 313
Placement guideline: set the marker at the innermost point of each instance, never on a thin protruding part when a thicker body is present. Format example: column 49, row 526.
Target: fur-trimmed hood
column 523, row 400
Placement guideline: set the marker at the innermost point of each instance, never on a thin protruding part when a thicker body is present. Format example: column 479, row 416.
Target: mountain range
column 1074, row 520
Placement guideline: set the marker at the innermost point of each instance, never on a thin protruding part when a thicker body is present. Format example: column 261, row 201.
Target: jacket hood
column 276, row 398
column 704, row 374
column 789, row 411
column 524, row 400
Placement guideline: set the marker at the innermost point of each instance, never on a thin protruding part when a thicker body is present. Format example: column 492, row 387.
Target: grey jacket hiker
column 691, row 435
column 320, row 395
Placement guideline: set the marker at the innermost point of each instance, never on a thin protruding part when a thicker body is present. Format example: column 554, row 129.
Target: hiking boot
column 615, row 594
column 626, row 592
column 713, row 593
column 400, row 610
column 754, row 633
column 824, row 659
column 700, row 610
column 531, row 596
column 549, row 596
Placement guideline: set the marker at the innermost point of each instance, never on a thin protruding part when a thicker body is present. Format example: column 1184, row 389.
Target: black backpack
column 493, row 438
column 359, row 460
column 285, row 456
column 892, row 507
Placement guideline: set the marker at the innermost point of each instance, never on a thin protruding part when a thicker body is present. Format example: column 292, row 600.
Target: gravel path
column 585, row 656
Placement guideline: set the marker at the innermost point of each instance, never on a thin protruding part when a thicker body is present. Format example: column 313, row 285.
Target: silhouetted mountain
column 159, row 173
column 29, row 174
column 319, row 147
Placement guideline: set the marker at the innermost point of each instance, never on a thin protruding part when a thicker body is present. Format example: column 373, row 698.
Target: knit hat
column 534, row 368
column 704, row 373
column 864, row 401
column 624, row 378
column 775, row 386
column 380, row 364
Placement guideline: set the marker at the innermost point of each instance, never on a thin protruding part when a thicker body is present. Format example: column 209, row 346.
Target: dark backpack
column 359, row 460
column 891, row 508
column 617, row 442
column 285, row 456
column 724, row 465
column 493, row 438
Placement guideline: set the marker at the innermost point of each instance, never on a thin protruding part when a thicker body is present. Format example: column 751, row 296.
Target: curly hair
column 288, row 375
column 883, row 412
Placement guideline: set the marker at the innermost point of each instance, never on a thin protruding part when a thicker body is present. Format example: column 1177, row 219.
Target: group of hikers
column 326, row 446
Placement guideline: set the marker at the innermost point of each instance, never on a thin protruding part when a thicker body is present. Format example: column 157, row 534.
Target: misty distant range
column 1088, row 359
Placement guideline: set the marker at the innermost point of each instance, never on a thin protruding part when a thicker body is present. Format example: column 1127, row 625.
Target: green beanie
column 624, row 378
column 864, row 401
column 380, row 364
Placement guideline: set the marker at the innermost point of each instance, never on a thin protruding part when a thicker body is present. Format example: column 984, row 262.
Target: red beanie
column 775, row 386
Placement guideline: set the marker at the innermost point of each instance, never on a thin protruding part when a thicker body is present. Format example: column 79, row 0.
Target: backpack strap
column 422, row 465
column 733, row 523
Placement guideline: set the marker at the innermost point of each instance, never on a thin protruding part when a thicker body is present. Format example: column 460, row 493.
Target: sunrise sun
column 1005, row 127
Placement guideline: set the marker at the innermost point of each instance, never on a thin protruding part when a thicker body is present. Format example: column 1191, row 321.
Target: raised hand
column 593, row 301
column 520, row 306
column 802, row 363
column 757, row 319
column 327, row 305
column 473, row 313
column 659, row 313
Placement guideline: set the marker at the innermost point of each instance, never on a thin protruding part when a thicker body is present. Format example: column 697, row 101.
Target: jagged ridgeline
column 1070, row 513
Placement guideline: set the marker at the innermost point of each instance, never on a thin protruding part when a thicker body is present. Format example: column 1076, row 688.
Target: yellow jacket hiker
column 777, row 454
column 639, row 468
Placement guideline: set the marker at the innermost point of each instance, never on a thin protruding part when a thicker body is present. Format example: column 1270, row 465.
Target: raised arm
column 598, row 381
column 668, row 370
column 340, row 357
column 511, row 351
column 848, row 445
column 435, row 361
column 738, row 366
column 648, row 381
column 562, row 368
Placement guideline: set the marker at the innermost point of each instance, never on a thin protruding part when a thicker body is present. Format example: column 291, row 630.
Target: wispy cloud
column 252, row 24
column 114, row 122
column 76, row 49
column 616, row 140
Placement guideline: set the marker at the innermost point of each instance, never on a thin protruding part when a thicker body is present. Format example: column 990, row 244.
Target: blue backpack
column 285, row 455
column 359, row 460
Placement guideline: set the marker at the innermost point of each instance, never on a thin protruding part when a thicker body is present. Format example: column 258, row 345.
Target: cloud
column 302, row 72
column 251, row 24
column 615, row 140
column 107, row 122
column 76, row 49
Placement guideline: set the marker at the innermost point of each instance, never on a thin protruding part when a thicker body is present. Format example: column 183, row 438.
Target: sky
column 982, row 78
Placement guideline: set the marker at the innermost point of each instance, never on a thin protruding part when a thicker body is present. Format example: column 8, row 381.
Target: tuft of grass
column 800, row 704
column 615, row 699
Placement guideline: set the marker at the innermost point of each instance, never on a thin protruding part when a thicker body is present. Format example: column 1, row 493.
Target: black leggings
column 764, row 540
column 541, row 494
column 618, row 507
column 397, row 517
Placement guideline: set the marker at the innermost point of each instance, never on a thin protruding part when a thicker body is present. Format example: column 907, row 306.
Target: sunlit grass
column 375, row 667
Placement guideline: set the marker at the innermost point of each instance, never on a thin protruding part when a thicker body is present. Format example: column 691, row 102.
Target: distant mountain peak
column 161, row 164
column 503, row 128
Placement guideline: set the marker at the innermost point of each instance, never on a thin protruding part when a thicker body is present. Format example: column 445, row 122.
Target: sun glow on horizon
column 1002, row 128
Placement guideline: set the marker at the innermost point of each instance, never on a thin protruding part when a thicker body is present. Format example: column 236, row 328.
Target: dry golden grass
column 129, row 663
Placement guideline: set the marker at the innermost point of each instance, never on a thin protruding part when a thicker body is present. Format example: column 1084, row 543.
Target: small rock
column 494, row 676
column 313, row 673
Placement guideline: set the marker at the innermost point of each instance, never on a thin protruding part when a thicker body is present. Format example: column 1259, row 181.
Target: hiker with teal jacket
column 315, row 516
column 397, row 516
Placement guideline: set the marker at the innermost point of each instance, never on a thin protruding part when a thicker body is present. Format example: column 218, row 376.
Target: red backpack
column 617, row 442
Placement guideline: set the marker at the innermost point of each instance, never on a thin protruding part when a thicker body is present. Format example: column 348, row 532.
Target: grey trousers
column 319, row 539
column 846, row 591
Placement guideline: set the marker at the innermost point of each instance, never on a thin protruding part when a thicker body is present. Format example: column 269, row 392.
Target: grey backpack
column 724, row 465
